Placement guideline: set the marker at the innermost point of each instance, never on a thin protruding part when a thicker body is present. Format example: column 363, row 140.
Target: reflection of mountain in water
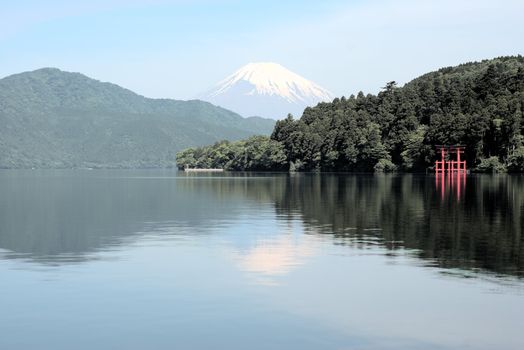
column 52, row 215
column 482, row 230
column 60, row 216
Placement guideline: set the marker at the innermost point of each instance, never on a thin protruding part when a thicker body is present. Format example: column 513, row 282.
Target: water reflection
column 478, row 225
column 450, row 183
column 158, row 259
column 270, row 258
column 63, row 217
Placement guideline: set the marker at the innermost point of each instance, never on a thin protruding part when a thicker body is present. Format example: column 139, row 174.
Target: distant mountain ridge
column 56, row 119
column 267, row 89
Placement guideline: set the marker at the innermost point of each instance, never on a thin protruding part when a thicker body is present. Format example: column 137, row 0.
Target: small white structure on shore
column 195, row 170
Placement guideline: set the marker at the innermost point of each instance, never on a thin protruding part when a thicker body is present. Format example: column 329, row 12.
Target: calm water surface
column 167, row 260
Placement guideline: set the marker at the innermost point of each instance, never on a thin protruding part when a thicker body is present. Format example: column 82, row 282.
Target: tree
column 478, row 105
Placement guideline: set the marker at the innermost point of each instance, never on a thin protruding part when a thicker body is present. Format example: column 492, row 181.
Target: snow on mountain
column 266, row 89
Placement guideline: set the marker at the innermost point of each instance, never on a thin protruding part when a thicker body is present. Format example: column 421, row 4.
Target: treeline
column 254, row 153
column 478, row 105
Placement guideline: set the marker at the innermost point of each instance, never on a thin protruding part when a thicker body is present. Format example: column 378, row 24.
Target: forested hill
column 50, row 118
column 478, row 105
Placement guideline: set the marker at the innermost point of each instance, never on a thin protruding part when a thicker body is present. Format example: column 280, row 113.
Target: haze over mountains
column 268, row 90
column 55, row 119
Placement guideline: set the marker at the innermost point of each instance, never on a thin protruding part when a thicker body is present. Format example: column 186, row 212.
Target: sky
column 180, row 48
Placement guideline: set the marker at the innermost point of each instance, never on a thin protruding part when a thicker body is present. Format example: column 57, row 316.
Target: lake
column 158, row 259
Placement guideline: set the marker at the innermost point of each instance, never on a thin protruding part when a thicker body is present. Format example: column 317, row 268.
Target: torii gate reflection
column 454, row 182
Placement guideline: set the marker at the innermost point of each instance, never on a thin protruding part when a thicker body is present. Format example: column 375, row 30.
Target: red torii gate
column 455, row 170
column 450, row 166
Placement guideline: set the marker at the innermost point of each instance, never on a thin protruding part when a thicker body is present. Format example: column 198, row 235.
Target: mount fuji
column 266, row 89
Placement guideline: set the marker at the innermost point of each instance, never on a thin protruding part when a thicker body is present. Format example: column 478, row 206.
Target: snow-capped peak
column 268, row 78
column 266, row 89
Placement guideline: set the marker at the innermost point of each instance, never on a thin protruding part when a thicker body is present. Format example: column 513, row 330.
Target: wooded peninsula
column 478, row 105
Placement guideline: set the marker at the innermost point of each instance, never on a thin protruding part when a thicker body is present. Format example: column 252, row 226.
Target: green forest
column 55, row 119
column 478, row 105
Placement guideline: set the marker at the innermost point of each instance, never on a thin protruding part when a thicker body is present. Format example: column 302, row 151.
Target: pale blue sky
column 179, row 48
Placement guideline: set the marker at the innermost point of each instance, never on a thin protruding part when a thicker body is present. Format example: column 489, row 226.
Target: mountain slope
column 52, row 118
column 266, row 89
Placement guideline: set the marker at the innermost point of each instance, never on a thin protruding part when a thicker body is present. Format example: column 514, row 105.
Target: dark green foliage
column 384, row 166
column 55, row 119
column 491, row 165
column 478, row 105
column 255, row 153
column 516, row 160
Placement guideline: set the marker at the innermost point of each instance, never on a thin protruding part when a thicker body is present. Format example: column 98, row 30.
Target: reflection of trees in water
column 52, row 216
column 482, row 230
column 62, row 216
